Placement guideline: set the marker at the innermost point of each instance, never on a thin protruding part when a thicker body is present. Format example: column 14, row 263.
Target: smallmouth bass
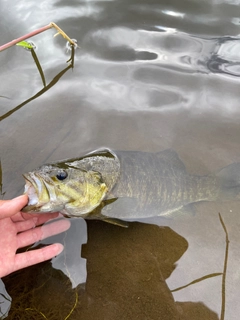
column 122, row 185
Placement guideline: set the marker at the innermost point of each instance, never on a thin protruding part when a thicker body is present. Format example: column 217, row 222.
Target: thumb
column 11, row 207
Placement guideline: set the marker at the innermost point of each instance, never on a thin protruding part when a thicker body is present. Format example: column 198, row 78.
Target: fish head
column 67, row 189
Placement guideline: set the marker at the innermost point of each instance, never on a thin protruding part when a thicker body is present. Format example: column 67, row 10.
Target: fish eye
column 62, row 175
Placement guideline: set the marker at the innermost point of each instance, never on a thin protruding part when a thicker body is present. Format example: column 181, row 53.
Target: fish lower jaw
column 42, row 209
column 51, row 207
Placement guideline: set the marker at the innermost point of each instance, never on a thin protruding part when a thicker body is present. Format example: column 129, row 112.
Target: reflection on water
column 225, row 56
column 148, row 76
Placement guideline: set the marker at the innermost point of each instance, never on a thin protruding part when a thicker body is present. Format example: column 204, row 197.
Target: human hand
column 19, row 229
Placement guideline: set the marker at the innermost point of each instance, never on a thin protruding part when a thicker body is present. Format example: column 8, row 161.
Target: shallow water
column 147, row 76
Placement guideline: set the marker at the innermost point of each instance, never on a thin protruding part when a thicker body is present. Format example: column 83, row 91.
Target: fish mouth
column 41, row 194
column 31, row 190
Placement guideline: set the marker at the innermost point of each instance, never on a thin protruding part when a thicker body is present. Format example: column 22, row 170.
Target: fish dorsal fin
column 171, row 158
column 105, row 152
column 229, row 176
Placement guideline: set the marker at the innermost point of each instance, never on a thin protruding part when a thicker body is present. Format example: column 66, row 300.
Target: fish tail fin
column 229, row 178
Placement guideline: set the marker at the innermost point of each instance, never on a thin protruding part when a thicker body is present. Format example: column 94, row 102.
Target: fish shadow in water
column 127, row 269
column 126, row 273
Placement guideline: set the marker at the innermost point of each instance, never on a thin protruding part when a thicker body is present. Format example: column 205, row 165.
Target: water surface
column 147, row 76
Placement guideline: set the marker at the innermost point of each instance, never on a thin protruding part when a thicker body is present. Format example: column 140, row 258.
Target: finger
column 17, row 217
column 34, row 221
column 25, row 225
column 31, row 236
column 41, row 217
column 11, row 207
column 26, row 259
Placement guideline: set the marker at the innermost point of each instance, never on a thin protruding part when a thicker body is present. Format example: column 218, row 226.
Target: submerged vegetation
column 21, row 41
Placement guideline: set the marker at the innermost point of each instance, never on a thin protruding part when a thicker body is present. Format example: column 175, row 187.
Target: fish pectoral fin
column 116, row 222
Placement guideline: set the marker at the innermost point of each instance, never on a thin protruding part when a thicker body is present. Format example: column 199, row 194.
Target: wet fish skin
column 124, row 185
column 79, row 193
column 153, row 184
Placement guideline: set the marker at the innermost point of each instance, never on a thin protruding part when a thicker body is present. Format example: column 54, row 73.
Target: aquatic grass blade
column 43, row 90
column 40, row 70
column 211, row 275
column 224, row 269
column 30, row 46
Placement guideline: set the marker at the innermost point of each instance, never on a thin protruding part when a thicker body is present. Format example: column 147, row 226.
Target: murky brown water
column 148, row 76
